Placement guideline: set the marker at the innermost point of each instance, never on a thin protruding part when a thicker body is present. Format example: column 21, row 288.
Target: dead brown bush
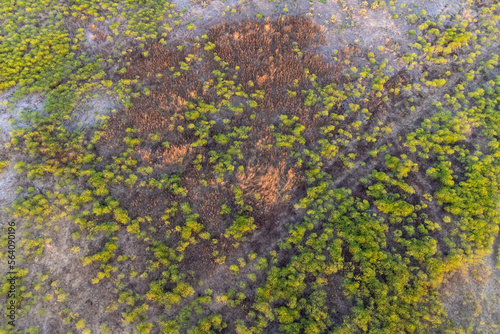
column 264, row 52
column 272, row 184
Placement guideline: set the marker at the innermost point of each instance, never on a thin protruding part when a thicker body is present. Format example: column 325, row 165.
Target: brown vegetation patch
column 273, row 184
column 264, row 52
column 97, row 34
column 159, row 111
column 270, row 174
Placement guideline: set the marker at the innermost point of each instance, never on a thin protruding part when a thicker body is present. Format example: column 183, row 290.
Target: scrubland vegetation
column 246, row 182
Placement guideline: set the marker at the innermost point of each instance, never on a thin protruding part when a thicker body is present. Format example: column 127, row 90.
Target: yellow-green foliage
column 3, row 164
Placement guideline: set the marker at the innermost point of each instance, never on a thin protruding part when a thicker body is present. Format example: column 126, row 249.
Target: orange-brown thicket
column 172, row 158
column 272, row 183
column 161, row 110
column 264, row 52
column 97, row 34
column 154, row 71
column 270, row 174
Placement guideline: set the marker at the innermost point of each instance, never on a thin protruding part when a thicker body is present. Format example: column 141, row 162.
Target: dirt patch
column 471, row 296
